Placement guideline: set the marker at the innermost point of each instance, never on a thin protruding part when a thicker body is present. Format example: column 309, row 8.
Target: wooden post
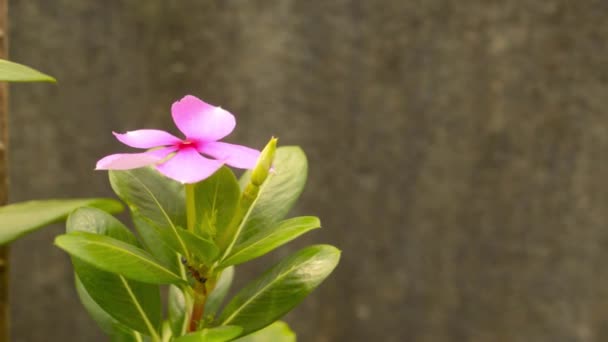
column 4, row 250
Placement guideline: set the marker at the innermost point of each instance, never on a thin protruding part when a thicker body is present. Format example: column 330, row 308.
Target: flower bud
column 262, row 168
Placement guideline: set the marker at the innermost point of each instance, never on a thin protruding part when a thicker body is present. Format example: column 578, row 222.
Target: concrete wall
column 458, row 150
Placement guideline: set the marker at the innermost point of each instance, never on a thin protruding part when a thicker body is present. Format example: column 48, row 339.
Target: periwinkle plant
column 195, row 222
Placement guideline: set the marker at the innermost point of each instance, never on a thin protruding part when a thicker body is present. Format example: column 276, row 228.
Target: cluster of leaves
column 190, row 239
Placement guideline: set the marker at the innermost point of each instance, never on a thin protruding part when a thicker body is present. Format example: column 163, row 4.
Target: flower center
column 187, row 143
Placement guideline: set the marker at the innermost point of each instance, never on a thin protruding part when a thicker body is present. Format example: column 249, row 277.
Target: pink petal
column 127, row 161
column 200, row 120
column 147, row 138
column 188, row 166
column 234, row 155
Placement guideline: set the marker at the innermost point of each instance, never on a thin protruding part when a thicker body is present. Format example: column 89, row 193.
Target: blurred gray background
column 458, row 150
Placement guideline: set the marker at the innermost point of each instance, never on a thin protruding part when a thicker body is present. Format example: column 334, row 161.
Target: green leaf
column 15, row 72
column 118, row 257
column 216, row 201
column 204, row 250
column 134, row 304
column 280, row 288
column 166, row 333
column 216, row 297
column 250, row 247
column 276, row 332
column 177, row 311
column 157, row 198
column 218, row 334
column 106, row 322
column 157, row 241
column 276, row 196
column 19, row 219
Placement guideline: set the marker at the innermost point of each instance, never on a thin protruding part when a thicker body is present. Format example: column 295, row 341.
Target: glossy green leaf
column 15, row 72
column 118, row 257
column 216, row 297
column 19, row 219
column 134, row 304
column 218, row 334
column 177, row 311
column 107, row 323
column 158, row 199
column 280, row 288
column 250, row 247
column 204, row 250
column 282, row 188
column 276, row 196
column 276, row 332
column 216, row 200
column 158, row 241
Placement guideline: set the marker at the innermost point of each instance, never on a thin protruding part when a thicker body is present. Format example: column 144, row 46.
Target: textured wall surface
column 458, row 150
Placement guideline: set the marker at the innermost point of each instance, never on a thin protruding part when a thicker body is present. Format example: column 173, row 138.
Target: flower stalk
column 190, row 207
column 199, row 295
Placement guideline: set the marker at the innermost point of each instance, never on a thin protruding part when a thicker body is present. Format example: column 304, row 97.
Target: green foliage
column 219, row 292
column 219, row 334
column 158, row 200
column 135, row 304
column 157, row 242
column 107, row 323
column 17, row 220
column 191, row 238
column 178, row 318
column 280, row 288
column 268, row 239
column 269, row 203
column 276, row 332
column 216, row 201
column 15, row 72
column 203, row 250
column 116, row 256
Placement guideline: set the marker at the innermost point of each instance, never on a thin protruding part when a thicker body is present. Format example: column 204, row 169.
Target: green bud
column 262, row 168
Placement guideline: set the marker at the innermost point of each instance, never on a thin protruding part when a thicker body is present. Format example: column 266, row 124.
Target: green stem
column 190, row 207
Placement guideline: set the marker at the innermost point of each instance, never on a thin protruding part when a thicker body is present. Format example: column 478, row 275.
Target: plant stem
column 198, row 307
column 199, row 295
column 190, row 207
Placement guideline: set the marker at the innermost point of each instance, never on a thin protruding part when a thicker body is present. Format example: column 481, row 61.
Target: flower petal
column 127, row 161
column 238, row 156
column 147, row 138
column 200, row 120
column 188, row 166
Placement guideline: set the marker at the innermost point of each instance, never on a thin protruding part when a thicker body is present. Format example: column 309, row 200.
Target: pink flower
column 187, row 160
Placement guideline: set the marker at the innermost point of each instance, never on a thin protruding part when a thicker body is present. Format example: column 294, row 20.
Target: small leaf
column 216, row 297
column 204, row 250
column 218, row 334
column 280, row 288
column 19, row 219
column 134, row 304
column 106, row 322
column 15, row 72
column 177, row 311
column 216, row 201
column 158, row 199
column 250, row 247
column 118, row 257
column 276, row 332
